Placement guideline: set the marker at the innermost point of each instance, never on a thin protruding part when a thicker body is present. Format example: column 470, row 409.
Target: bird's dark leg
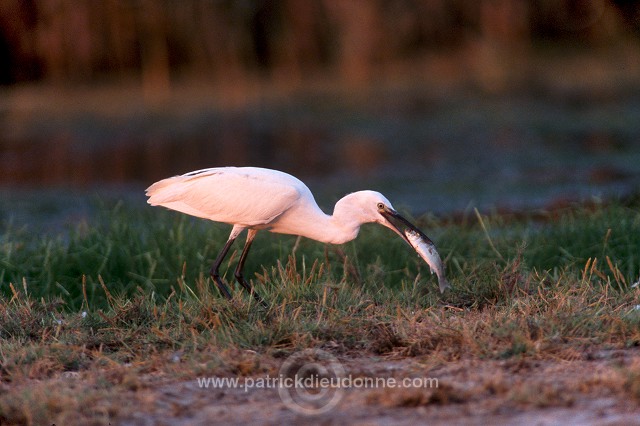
column 215, row 273
column 251, row 233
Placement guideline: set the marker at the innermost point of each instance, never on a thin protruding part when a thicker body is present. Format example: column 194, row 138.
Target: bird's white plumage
column 255, row 198
column 247, row 196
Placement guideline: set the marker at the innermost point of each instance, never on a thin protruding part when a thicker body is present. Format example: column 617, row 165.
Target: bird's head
column 372, row 206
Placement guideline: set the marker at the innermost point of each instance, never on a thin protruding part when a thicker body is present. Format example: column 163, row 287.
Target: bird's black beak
column 399, row 224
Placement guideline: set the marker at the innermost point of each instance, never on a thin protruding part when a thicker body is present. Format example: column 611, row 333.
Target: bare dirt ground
column 594, row 388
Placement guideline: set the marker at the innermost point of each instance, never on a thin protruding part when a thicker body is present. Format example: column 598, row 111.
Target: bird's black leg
column 215, row 274
column 251, row 233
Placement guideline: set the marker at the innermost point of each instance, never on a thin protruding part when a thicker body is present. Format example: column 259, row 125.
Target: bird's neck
column 340, row 230
column 322, row 227
column 311, row 222
column 341, row 227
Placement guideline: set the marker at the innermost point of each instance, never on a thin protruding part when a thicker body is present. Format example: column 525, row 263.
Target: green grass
column 538, row 285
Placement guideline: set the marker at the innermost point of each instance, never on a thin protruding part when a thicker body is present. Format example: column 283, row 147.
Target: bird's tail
column 170, row 193
column 162, row 192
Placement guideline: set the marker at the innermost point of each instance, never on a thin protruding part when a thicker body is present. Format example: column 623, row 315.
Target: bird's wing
column 239, row 196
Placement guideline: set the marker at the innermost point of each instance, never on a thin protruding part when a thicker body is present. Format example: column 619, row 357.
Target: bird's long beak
column 399, row 224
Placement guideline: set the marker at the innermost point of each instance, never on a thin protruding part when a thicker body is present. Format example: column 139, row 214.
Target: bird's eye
column 380, row 206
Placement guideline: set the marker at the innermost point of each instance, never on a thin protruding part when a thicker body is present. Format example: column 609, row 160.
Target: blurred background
column 440, row 104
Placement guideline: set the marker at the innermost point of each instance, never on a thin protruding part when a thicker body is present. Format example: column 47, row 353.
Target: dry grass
column 512, row 333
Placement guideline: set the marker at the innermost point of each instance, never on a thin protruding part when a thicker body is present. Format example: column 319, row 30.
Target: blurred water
column 428, row 152
column 442, row 155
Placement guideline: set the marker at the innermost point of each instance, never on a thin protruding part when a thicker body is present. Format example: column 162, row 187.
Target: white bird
column 255, row 198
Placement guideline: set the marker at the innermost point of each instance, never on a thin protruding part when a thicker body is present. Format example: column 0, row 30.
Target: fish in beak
column 413, row 236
